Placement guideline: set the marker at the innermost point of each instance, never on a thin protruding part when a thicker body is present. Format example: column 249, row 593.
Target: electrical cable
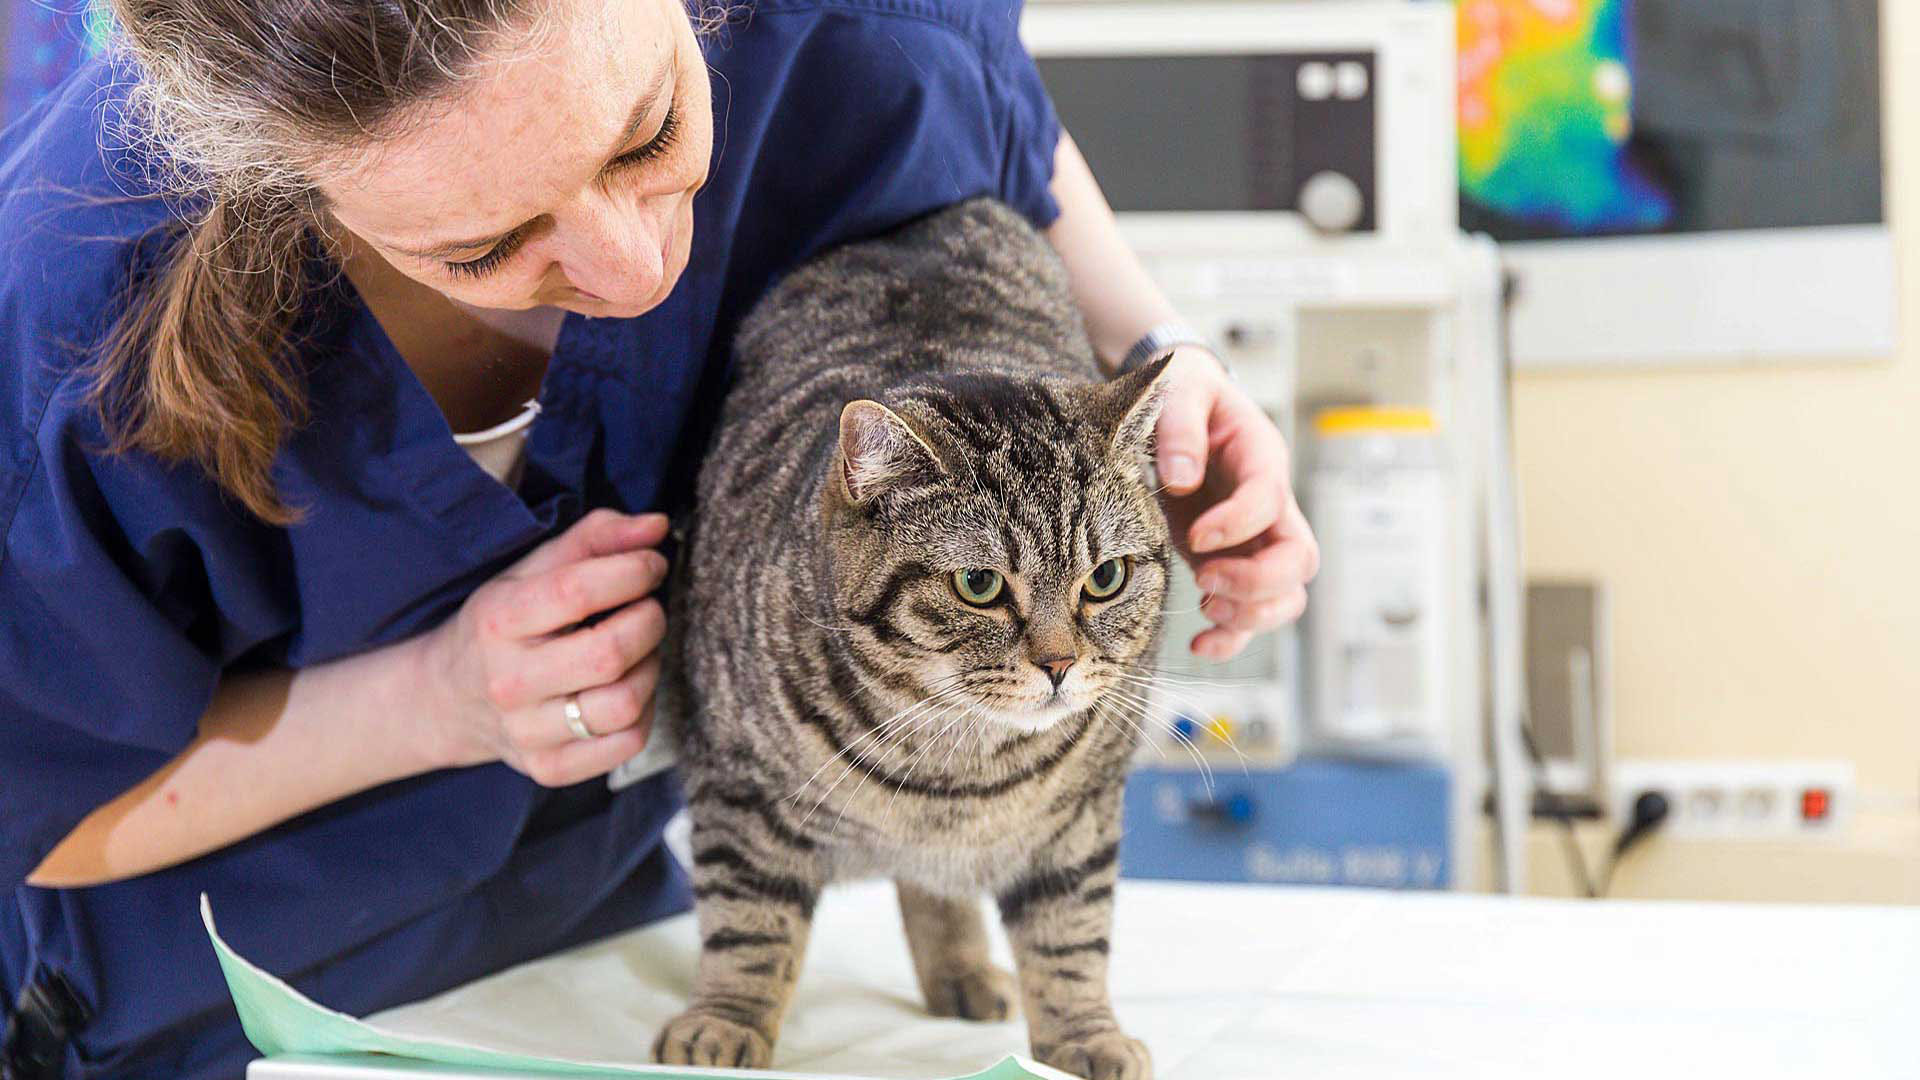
column 1550, row 802
column 1649, row 810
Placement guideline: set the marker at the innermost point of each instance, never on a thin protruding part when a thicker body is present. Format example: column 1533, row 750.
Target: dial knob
column 1332, row 202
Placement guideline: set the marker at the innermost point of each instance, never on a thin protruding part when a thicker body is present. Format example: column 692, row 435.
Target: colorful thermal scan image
column 1606, row 117
column 1546, row 117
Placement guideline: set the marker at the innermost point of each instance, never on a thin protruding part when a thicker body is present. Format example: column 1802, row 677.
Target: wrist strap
column 1158, row 340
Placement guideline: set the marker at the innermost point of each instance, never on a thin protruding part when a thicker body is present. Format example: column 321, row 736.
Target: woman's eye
column 485, row 264
column 655, row 147
column 1107, row 579
column 978, row 587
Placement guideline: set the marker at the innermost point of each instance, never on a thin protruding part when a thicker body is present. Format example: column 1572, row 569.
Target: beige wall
column 1760, row 532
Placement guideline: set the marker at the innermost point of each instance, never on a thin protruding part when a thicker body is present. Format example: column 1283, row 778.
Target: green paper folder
column 282, row 1022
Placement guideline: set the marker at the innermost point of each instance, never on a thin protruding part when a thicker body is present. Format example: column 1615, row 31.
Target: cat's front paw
column 703, row 1038
column 1106, row 1055
column 985, row 993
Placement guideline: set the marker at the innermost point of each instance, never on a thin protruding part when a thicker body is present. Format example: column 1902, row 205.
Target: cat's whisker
column 1168, row 682
column 1172, row 685
column 824, row 626
column 1205, row 676
column 1204, row 597
column 980, row 726
column 1141, row 714
column 913, row 763
column 1176, row 681
column 794, row 606
column 899, row 731
column 1147, row 710
column 877, row 731
column 962, row 706
column 1192, row 707
column 877, row 737
column 1107, row 717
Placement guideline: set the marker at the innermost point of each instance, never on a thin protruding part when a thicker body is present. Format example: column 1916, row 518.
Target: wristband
column 1160, row 339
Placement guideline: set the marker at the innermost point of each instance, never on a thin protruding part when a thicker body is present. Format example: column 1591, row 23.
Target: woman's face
column 563, row 175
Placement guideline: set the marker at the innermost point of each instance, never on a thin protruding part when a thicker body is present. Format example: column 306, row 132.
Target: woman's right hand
column 499, row 672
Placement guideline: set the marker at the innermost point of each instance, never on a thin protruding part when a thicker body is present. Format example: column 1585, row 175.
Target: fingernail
column 1209, row 540
column 1182, row 471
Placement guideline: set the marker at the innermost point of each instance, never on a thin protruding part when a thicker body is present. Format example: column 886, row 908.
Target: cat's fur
column 818, row 615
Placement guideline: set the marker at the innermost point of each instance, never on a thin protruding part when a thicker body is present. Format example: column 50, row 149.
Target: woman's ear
column 879, row 450
column 1130, row 406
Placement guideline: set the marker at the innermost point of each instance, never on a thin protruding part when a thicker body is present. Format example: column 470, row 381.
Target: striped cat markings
column 918, row 603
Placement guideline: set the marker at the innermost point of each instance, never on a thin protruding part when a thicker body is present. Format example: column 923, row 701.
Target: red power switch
column 1815, row 804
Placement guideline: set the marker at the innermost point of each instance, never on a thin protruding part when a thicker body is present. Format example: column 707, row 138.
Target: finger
column 1180, row 438
column 1253, row 461
column 584, row 759
column 559, row 598
column 1219, row 644
column 1252, row 508
column 1294, row 526
column 604, row 709
column 602, row 532
column 622, row 703
column 597, row 655
column 1266, row 568
column 1256, row 617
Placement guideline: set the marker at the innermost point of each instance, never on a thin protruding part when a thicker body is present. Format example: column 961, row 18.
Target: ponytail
column 195, row 369
column 234, row 102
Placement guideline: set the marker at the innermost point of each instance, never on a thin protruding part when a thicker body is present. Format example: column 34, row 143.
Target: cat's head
column 995, row 542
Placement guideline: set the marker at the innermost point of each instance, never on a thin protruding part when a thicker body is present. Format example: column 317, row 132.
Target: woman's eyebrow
column 637, row 116
column 648, row 98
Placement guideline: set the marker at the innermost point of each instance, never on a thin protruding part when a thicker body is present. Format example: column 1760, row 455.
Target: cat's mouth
column 1033, row 714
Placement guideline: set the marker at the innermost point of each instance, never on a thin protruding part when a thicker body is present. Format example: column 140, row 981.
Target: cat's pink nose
column 1056, row 668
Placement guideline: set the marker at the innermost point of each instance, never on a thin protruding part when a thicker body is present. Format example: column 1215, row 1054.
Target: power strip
column 1740, row 800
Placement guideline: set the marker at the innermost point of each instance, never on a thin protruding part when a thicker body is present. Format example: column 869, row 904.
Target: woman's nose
column 619, row 254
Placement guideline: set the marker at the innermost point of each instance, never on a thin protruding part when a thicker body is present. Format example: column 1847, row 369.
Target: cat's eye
column 1107, row 579
column 978, row 587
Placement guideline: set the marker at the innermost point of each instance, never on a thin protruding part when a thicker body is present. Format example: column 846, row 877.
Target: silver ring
column 576, row 721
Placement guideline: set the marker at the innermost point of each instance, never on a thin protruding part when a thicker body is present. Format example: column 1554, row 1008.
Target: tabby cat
column 916, row 604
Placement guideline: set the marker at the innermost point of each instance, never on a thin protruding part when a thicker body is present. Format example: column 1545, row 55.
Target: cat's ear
column 879, row 449
column 1130, row 406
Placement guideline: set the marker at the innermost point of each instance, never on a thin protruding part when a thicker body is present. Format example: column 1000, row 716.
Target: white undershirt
column 502, row 448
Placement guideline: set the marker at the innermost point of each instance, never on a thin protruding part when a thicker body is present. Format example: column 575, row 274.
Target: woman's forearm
column 486, row 685
column 1110, row 287
column 272, row 745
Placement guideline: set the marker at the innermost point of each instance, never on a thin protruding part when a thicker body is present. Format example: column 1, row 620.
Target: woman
column 268, row 630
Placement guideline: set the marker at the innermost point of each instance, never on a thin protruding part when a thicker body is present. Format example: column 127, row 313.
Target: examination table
column 1228, row 982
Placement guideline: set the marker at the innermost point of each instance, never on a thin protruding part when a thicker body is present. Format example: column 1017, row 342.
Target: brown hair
column 237, row 101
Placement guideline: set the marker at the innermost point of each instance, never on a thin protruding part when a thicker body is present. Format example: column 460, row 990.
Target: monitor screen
column 1219, row 132
column 1607, row 117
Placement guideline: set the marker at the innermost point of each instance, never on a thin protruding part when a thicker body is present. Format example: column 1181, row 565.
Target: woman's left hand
column 1229, row 499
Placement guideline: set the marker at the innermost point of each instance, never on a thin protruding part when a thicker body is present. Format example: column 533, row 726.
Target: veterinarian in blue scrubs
column 268, row 629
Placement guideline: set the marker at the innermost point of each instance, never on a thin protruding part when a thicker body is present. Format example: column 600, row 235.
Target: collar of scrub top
column 478, row 513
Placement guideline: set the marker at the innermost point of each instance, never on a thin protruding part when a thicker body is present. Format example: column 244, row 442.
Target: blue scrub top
column 127, row 586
